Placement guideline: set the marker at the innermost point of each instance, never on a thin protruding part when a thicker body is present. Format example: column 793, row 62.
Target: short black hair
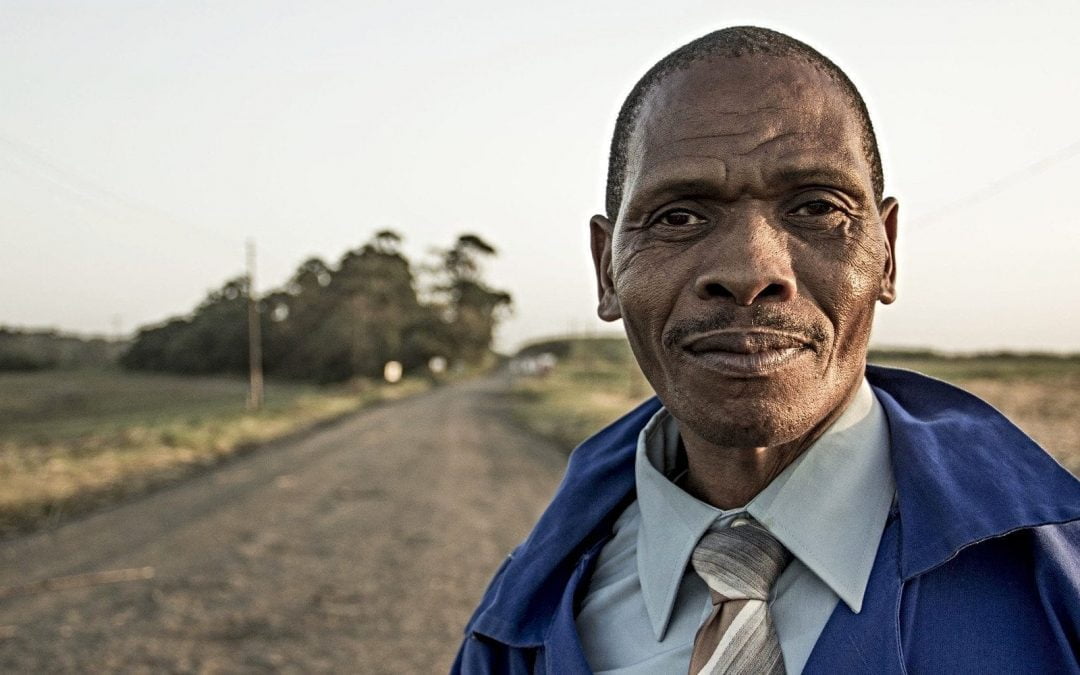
column 731, row 42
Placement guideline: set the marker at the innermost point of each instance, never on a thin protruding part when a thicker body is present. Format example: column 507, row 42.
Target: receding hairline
column 730, row 43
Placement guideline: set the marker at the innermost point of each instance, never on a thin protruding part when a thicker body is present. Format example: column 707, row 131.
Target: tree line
column 29, row 350
column 332, row 323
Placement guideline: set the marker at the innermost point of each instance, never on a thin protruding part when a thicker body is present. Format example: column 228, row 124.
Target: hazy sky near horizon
column 142, row 142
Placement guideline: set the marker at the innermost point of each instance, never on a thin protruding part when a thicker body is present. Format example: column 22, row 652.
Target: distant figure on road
column 781, row 506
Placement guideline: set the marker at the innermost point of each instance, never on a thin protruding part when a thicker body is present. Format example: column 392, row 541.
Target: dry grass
column 598, row 381
column 72, row 440
column 595, row 383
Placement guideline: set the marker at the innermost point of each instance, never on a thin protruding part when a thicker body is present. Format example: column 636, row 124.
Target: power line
column 998, row 186
column 108, row 202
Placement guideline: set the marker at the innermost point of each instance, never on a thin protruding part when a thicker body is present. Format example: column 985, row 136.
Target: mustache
column 730, row 317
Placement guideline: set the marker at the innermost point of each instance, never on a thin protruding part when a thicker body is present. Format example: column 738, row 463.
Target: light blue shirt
column 644, row 602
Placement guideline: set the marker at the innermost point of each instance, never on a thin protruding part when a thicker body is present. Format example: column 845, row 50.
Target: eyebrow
column 684, row 182
column 817, row 175
column 672, row 188
column 785, row 177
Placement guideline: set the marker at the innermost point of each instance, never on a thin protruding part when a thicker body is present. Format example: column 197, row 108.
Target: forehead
column 746, row 116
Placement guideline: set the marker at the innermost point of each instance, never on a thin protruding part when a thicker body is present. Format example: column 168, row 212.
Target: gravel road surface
column 361, row 548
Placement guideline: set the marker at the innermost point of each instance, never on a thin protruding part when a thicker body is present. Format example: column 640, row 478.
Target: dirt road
column 361, row 548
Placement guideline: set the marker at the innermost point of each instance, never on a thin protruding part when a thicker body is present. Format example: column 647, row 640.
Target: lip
column 746, row 353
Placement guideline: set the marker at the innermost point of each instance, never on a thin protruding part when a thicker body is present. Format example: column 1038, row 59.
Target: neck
column 729, row 477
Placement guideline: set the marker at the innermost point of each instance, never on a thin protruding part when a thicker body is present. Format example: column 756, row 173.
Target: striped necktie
column 740, row 565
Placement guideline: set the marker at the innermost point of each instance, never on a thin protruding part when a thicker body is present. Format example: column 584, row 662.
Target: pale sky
column 142, row 142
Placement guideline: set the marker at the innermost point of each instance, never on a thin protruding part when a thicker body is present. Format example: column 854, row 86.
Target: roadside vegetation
column 74, row 439
column 595, row 381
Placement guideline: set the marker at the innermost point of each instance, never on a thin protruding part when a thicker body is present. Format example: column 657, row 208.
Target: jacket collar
column 963, row 474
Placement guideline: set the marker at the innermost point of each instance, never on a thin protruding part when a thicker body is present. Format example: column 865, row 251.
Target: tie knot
column 740, row 562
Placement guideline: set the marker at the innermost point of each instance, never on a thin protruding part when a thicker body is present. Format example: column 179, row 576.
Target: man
column 787, row 508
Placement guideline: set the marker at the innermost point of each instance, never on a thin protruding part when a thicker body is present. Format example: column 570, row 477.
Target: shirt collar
column 671, row 520
column 834, row 532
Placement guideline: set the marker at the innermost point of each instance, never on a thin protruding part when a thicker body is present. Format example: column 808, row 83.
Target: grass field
column 70, row 440
column 597, row 380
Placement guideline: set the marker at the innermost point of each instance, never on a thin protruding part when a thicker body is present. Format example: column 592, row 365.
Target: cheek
column 867, row 266
column 846, row 287
column 648, row 285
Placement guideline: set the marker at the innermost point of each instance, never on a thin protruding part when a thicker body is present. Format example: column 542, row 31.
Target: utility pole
column 255, row 389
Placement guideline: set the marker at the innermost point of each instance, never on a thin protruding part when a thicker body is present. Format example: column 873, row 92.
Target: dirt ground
column 362, row 548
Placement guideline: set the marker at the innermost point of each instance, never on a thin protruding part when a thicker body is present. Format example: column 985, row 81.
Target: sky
column 143, row 142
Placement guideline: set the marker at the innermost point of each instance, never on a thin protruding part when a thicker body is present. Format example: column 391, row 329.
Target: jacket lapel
column 867, row 642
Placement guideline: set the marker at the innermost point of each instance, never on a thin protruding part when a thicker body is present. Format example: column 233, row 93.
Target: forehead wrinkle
column 763, row 134
column 769, row 141
column 703, row 137
column 729, row 134
column 754, row 110
column 668, row 152
column 699, row 128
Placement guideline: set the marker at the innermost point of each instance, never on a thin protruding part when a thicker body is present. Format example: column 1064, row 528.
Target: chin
column 747, row 432
column 746, row 420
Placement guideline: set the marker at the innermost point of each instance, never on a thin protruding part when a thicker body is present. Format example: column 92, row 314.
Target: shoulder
column 1009, row 599
column 1033, row 568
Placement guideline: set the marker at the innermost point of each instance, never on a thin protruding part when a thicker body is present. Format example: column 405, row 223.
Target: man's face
column 749, row 249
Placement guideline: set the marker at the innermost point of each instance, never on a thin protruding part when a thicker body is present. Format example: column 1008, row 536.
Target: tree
column 362, row 315
column 472, row 308
column 329, row 324
column 295, row 316
column 212, row 340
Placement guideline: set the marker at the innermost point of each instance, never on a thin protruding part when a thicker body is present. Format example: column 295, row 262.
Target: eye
column 815, row 209
column 819, row 214
column 678, row 218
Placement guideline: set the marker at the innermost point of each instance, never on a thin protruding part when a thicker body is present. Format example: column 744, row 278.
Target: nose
column 748, row 262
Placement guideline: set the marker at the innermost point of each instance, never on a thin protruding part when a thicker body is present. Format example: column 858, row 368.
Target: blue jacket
column 978, row 569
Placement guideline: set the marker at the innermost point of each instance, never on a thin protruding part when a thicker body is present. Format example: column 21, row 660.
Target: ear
column 601, row 231
column 890, row 210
